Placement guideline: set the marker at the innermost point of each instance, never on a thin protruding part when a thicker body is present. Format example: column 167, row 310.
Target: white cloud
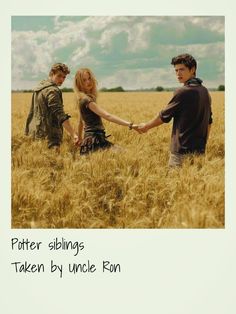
column 214, row 24
column 108, row 34
column 138, row 39
column 28, row 54
column 34, row 52
column 164, row 76
column 135, row 79
column 80, row 53
column 198, row 50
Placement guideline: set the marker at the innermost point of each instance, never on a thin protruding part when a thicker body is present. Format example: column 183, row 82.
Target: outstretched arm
column 106, row 115
column 144, row 127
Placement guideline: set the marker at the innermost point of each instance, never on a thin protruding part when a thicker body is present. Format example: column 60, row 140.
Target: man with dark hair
column 190, row 109
column 47, row 118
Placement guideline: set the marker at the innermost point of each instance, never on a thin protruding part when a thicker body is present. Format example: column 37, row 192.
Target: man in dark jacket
column 190, row 109
column 47, row 118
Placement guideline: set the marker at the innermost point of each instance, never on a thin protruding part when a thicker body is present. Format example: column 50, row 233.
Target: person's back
column 41, row 120
column 190, row 109
column 191, row 120
column 47, row 118
column 92, row 121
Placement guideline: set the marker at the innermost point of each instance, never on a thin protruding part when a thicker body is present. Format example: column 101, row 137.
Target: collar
column 194, row 81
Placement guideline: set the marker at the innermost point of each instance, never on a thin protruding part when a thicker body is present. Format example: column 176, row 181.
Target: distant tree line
column 67, row 90
column 121, row 89
column 114, row 89
column 153, row 89
column 221, row 88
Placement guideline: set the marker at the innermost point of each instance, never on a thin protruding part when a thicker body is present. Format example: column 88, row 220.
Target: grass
column 128, row 188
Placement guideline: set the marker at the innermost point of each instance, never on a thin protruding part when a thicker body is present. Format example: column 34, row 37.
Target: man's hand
column 75, row 139
column 135, row 127
column 142, row 128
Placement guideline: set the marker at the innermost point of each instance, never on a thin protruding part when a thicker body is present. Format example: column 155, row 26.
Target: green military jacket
column 46, row 113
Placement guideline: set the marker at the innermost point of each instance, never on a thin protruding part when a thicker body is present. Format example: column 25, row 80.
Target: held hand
column 78, row 143
column 142, row 128
column 75, row 139
column 135, row 127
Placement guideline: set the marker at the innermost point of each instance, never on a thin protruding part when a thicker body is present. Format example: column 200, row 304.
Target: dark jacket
column 46, row 113
column 191, row 110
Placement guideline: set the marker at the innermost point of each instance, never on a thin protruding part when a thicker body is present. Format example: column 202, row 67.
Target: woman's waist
column 94, row 131
column 93, row 127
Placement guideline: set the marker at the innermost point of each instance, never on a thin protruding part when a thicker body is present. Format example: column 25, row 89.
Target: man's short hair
column 59, row 67
column 185, row 59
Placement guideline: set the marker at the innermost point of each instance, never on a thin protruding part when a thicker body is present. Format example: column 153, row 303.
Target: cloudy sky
column 129, row 51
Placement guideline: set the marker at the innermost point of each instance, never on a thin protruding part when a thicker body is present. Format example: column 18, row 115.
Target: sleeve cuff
column 66, row 117
column 164, row 119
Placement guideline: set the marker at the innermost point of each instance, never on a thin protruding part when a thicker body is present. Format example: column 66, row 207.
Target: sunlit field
column 131, row 187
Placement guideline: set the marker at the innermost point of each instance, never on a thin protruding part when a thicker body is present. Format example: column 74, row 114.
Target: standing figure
column 190, row 109
column 47, row 118
column 85, row 88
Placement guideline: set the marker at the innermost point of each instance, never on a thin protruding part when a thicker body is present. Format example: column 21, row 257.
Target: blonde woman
column 85, row 88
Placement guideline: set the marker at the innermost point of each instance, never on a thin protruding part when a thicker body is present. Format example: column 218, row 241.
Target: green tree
column 114, row 89
column 103, row 89
column 159, row 89
column 221, row 88
column 117, row 89
column 67, row 90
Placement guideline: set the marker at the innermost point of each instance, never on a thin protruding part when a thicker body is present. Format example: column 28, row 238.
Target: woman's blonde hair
column 79, row 86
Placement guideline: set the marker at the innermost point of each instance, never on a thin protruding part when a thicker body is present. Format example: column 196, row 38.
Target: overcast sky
column 129, row 51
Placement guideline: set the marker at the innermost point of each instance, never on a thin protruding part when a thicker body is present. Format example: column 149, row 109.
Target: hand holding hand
column 142, row 128
column 75, row 139
column 135, row 127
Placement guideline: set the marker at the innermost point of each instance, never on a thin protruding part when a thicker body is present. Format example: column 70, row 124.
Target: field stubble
column 128, row 188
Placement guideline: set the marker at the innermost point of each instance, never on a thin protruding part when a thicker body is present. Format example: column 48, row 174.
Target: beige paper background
column 163, row 271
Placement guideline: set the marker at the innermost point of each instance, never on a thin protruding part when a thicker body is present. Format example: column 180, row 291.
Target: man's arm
column 30, row 116
column 210, row 119
column 80, row 129
column 144, row 127
column 55, row 104
column 56, row 107
column 172, row 108
column 208, row 131
column 66, row 124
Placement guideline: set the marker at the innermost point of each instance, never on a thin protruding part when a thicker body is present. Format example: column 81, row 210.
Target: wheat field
column 131, row 187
